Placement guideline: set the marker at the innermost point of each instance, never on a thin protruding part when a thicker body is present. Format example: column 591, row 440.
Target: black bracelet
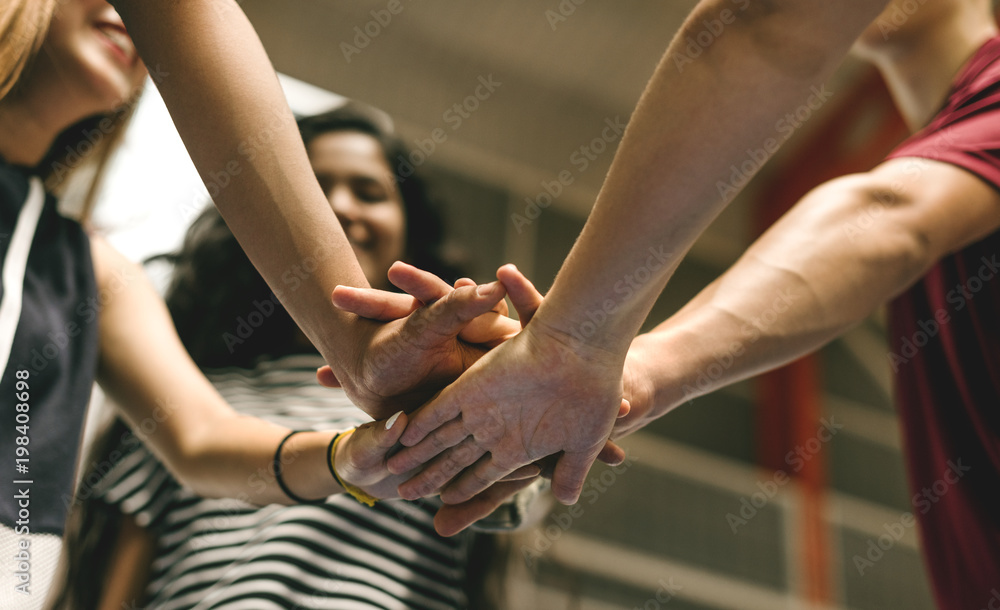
column 277, row 472
column 329, row 457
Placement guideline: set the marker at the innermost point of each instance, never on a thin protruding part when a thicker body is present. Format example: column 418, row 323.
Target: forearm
column 174, row 408
column 210, row 448
column 226, row 102
column 692, row 125
column 802, row 284
column 233, row 457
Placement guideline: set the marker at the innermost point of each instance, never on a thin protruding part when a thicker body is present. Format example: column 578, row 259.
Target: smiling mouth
column 119, row 42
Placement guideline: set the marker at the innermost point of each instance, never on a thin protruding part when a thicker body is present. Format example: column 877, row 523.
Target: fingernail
column 392, row 420
column 486, row 289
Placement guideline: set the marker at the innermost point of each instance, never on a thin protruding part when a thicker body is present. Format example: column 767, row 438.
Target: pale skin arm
column 225, row 100
column 816, row 269
column 818, row 272
column 210, row 448
column 423, row 287
column 556, row 386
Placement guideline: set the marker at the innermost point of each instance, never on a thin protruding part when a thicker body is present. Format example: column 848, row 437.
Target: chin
column 115, row 91
column 110, row 84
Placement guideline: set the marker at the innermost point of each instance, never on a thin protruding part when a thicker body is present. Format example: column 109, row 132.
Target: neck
column 32, row 117
column 920, row 68
column 26, row 135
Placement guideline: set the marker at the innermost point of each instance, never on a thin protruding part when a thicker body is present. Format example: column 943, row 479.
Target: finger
column 453, row 518
column 624, row 409
column 501, row 308
column 378, row 436
column 524, row 472
column 442, row 469
column 486, row 472
column 611, row 454
column 374, row 304
column 326, row 377
column 445, row 437
column 444, row 319
column 548, row 465
column 422, row 285
column 363, row 453
column 489, row 329
column 440, row 410
column 569, row 475
column 523, row 294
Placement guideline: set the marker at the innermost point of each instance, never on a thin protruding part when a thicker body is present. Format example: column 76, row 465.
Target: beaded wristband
column 356, row 492
column 281, row 481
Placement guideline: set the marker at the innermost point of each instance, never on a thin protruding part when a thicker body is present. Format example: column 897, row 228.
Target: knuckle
column 436, row 442
column 479, row 481
column 465, row 453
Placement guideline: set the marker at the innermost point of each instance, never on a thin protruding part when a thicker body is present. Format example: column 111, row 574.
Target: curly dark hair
column 226, row 315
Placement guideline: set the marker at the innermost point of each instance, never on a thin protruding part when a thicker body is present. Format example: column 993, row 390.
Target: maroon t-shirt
column 945, row 354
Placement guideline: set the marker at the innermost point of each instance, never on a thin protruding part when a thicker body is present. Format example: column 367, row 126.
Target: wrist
column 340, row 467
column 338, row 462
column 566, row 343
column 658, row 369
column 348, row 363
column 297, row 467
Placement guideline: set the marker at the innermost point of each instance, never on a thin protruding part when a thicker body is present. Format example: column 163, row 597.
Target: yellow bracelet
column 356, row 492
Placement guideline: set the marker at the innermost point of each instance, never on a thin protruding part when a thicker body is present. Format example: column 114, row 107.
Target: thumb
column 523, row 294
column 367, row 448
column 569, row 474
column 326, row 377
column 453, row 518
column 624, row 409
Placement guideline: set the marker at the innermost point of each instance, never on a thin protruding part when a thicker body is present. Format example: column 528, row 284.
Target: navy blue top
column 47, row 267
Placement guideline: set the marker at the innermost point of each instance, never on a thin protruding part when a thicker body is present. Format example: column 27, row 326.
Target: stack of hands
column 446, row 355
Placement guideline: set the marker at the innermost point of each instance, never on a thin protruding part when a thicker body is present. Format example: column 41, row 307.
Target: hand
column 361, row 457
column 419, row 343
column 486, row 330
column 638, row 390
column 538, row 394
column 453, row 518
column 489, row 329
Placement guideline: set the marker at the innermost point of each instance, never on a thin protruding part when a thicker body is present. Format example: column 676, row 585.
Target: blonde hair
column 24, row 25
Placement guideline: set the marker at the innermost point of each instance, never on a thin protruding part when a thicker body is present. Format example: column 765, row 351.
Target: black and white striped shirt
column 341, row 554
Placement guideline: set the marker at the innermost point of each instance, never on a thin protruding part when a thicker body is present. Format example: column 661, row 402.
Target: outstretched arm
column 556, row 386
column 226, row 102
column 813, row 275
column 809, row 278
column 209, row 447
